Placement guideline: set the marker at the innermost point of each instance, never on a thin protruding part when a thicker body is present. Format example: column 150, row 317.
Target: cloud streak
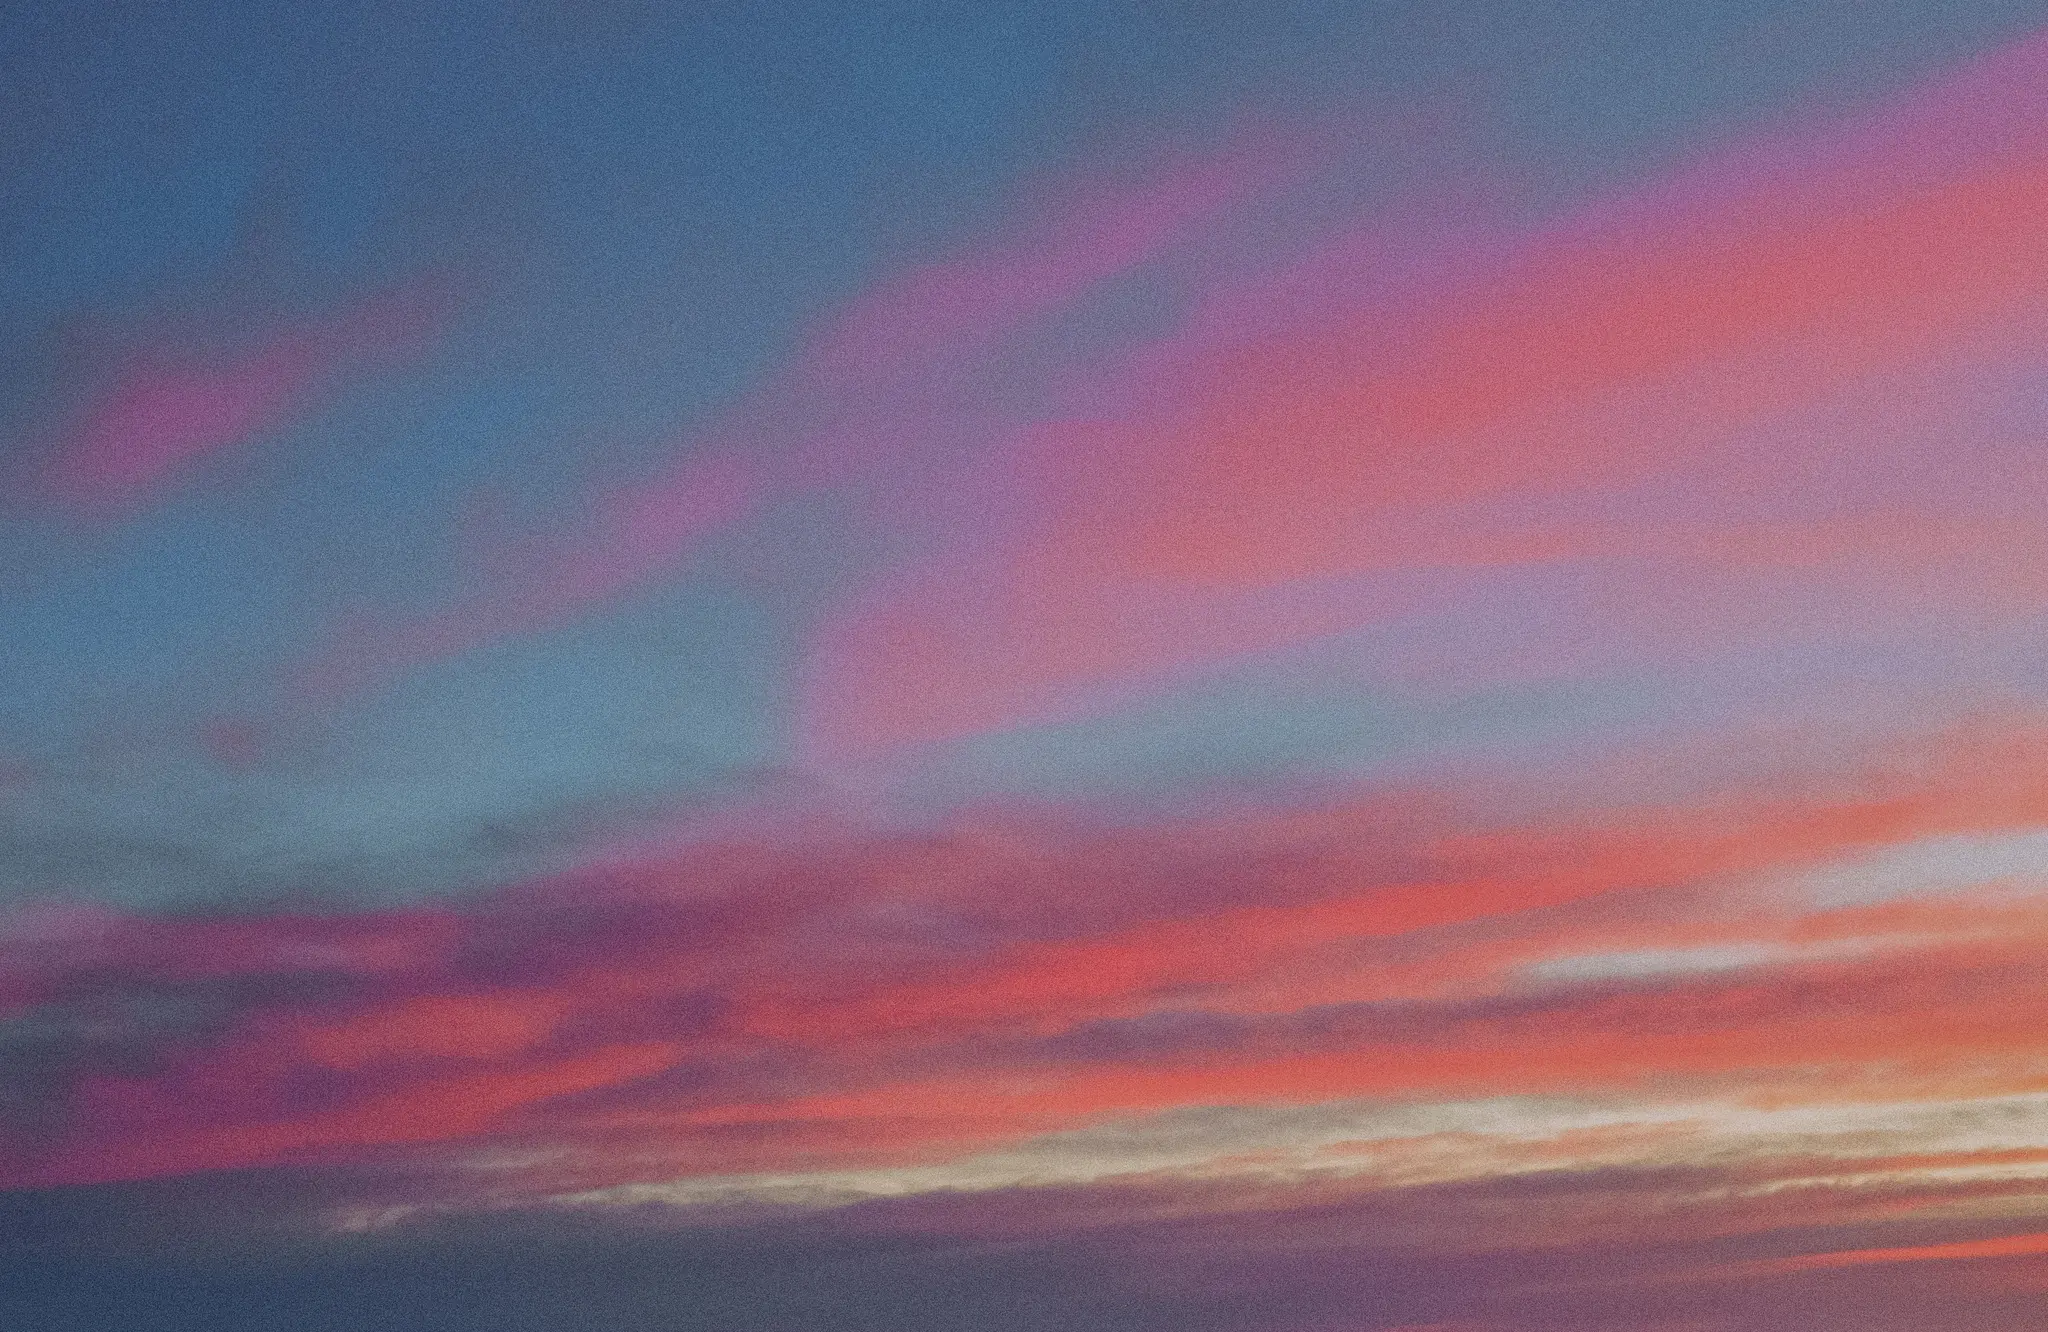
column 1529, row 691
column 867, row 1003
column 870, row 391
column 166, row 409
column 1538, row 407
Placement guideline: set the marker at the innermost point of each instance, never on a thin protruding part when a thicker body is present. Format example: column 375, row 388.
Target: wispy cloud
column 867, row 1003
column 166, row 408
column 865, row 393
column 1645, row 386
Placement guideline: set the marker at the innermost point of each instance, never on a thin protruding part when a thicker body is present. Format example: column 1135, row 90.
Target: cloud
column 1642, row 388
column 169, row 407
column 626, row 536
column 2003, row 1246
column 862, row 397
column 1539, row 1253
column 872, row 1002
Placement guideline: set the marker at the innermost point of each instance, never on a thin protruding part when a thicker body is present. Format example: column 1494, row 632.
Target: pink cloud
column 747, row 1005
column 1253, row 489
column 856, row 399
column 167, row 409
column 1085, row 233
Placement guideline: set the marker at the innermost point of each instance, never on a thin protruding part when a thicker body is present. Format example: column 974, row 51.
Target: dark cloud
column 147, row 817
column 133, row 1025
column 1557, row 1252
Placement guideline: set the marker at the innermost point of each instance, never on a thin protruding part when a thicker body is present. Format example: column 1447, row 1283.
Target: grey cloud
column 1559, row 1252
column 106, row 1021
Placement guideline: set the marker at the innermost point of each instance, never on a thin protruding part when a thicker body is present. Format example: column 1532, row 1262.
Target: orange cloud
column 2003, row 1246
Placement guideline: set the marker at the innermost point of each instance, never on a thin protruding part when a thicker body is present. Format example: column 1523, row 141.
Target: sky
column 1315, row 666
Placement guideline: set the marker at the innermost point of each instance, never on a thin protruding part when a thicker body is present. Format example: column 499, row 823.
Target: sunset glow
column 1356, row 668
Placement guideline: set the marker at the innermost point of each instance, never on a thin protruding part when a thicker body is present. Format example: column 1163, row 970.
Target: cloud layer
column 1298, row 728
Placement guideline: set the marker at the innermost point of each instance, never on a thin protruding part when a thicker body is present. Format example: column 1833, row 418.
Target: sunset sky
column 1304, row 666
